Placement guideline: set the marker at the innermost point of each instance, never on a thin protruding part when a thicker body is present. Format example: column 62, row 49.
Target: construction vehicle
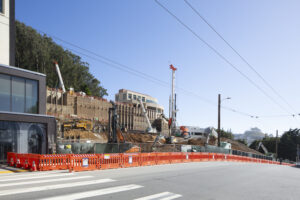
column 115, row 134
column 61, row 82
column 149, row 128
column 184, row 132
column 84, row 125
column 263, row 147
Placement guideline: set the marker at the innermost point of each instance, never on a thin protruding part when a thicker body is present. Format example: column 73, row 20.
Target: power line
column 241, row 57
column 221, row 56
column 127, row 69
column 105, row 58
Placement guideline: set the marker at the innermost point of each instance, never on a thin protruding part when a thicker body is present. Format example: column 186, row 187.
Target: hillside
column 37, row 52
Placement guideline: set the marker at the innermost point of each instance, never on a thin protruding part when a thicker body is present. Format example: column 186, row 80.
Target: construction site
column 134, row 122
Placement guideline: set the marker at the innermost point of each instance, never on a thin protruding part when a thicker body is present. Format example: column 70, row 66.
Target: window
column 130, row 96
column 31, row 96
column 1, row 6
column 143, row 99
column 18, row 94
column 134, row 97
column 124, row 96
column 139, row 97
column 5, row 92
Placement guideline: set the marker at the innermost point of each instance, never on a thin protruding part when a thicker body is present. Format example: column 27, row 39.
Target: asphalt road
column 200, row 181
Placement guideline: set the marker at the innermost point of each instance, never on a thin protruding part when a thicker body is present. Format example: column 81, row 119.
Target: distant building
column 131, row 97
column 7, row 32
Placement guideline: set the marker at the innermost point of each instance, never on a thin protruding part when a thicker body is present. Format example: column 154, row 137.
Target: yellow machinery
column 78, row 124
column 84, row 124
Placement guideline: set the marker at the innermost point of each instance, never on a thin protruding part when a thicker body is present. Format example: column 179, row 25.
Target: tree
column 287, row 148
column 268, row 142
column 226, row 134
column 37, row 52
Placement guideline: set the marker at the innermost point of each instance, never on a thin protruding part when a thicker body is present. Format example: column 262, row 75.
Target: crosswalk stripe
column 161, row 196
column 44, row 181
column 13, row 175
column 52, row 187
column 35, row 177
column 95, row 192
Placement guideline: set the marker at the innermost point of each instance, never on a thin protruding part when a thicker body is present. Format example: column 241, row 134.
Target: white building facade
column 7, row 32
column 131, row 97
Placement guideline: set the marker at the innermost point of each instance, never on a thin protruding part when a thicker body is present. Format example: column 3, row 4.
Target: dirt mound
column 235, row 145
column 201, row 141
column 86, row 135
column 139, row 137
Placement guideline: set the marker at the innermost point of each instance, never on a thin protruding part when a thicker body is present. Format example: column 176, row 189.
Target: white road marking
column 52, row 187
column 23, row 174
column 34, row 177
column 93, row 193
column 161, row 196
column 44, row 181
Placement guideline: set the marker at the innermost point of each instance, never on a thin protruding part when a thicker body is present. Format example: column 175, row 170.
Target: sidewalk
column 5, row 169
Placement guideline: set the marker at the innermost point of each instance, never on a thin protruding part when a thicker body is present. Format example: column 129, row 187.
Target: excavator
column 149, row 128
column 263, row 147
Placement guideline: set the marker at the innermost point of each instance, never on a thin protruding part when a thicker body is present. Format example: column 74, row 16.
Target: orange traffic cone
column 18, row 163
column 33, row 168
column 12, row 162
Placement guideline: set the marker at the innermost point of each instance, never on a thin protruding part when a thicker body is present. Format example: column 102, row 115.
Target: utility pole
column 219, row 120
column 276, row 145
column 298, row 155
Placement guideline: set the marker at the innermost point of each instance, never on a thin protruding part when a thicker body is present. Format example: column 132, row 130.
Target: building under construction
column 71, row 104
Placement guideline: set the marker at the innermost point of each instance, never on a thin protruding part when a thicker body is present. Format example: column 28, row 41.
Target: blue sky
column 140, row 34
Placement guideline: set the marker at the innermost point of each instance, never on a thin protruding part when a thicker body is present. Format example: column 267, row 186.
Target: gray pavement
column 205, row 180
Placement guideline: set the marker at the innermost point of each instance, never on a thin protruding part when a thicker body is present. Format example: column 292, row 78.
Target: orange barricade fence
column 83, row 162
column 34, row 162
column 109, row 161
column 147, row 159
column 195, row 157
column 54, row 162
column 11, row 158
column 130, row 160
column 177, row 157
column 220, row 157
column 162, row 158
column 186, row 157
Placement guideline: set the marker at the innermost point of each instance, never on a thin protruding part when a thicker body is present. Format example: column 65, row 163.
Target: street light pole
column 219, row 120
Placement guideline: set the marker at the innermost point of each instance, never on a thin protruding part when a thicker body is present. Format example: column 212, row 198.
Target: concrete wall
column 4, row 34
column 75, row 105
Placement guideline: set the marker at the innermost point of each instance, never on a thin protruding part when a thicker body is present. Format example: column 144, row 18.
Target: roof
column 125, row 90
column 23, row 70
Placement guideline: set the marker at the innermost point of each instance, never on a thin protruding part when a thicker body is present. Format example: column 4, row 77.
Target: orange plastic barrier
column 109, row 161
column 162, row 158
column 176, row 157
column 220, row 157
column 54, row 162
column 11, row 158
column 130, row 160
column 83, row 162
column 147, row 159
